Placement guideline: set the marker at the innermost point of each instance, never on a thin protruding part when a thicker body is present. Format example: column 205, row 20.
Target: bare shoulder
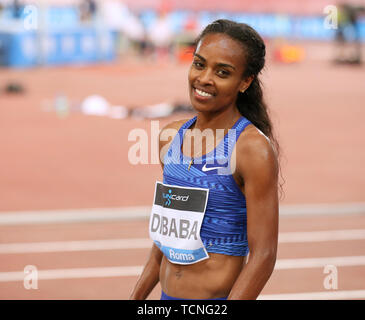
column 255, row 150
column 170, row 130
column 174, row 125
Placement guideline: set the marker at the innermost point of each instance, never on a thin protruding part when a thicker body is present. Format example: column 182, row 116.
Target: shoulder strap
column 185, row 126
column 231, row 138
column 224, row 153
column 174, row 151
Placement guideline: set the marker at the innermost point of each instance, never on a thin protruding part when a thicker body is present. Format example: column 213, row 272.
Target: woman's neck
column 219, row 120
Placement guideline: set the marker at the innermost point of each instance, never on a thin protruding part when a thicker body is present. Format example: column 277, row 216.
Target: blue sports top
column 224, row 227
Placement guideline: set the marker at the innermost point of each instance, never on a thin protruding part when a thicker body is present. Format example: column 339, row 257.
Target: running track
column 102, row 260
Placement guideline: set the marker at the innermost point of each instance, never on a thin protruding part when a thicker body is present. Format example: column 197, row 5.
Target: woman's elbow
column 266, row 258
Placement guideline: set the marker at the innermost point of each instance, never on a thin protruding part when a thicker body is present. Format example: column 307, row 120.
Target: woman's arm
column 258, row 167
column 150, row 274
column 149, row 277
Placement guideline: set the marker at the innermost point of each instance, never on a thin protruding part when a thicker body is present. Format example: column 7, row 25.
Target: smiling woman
column 232, row 205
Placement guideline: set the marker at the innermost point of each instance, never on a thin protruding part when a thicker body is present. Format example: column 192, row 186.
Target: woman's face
column 215, row 76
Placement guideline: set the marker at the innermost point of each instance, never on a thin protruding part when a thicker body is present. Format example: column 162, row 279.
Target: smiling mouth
column 203, row 93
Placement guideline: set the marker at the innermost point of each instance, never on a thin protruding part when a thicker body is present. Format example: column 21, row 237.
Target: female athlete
column 208, row 215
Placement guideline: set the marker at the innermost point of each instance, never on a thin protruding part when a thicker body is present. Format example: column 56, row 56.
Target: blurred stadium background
column 76, row 77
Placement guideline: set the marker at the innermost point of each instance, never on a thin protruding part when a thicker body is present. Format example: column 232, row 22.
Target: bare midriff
column 208, row 279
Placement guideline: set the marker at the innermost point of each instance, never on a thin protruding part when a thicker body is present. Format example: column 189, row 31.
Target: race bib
column 175, row 222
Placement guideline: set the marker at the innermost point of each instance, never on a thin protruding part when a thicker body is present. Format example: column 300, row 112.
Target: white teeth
column 202, row 93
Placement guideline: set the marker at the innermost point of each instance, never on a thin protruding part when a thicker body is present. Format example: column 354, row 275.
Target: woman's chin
column 201, row 107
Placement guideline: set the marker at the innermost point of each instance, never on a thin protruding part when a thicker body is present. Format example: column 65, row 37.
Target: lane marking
column 75, row 273
column 146, row 243
column 74, row 216
column 319, row 236
column 284, row 264
column 128, row 271
column 325, row 295
column 143, row 212
column 323, row 208
column 69, row 246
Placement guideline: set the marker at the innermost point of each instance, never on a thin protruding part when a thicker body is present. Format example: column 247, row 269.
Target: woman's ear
column 245, row 83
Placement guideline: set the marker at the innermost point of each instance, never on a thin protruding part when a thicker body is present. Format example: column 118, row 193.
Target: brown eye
column 223, row 73
column 198, row 64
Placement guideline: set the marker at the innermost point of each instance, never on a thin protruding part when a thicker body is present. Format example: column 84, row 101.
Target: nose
column 205, row 77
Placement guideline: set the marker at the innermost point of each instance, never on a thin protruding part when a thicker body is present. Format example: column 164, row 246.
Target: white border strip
column 146, row 243
column 131, row 213
column 325, row 295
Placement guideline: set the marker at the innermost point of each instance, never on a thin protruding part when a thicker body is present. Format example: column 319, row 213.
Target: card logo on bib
column 179, row 198
column 169, row 196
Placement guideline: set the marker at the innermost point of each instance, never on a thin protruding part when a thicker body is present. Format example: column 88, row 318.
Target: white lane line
column 74, row 216
column 125, row 271
column 323, row 208
column 318, row 236
column 143, row 212
column 75, row 273
column 145, row 243
column 325, row 295
column 69, row 246
column 284, row 264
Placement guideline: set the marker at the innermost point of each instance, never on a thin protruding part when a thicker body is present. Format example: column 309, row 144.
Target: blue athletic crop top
column 224, row 227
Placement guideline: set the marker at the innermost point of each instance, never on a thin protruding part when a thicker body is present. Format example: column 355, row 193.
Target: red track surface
column 282, row 281
column 81, row 161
